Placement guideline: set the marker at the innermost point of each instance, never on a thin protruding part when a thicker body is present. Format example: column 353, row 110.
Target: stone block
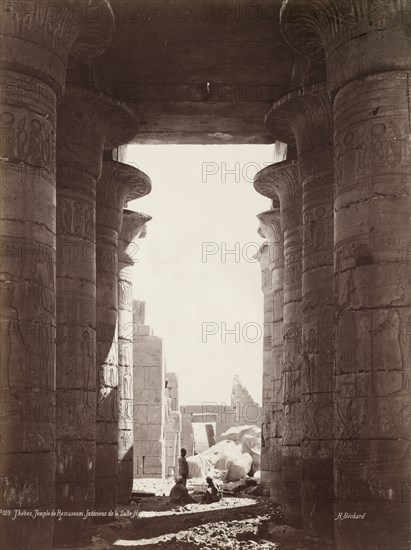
column 153, row 378
column 107, row 453
column 148, row 448
column 107, row 432
column 148, row 432
column 153, row 465
column 143, row 396
column 148, row 414
column 70, row 468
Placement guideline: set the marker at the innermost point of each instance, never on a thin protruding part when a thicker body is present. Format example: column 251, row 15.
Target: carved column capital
column 303, row 117
column 89, row 122
column 270, row 255
column 40, row 38
column 118, row 184
column 133, row 227
column 96, row 25
column 270, row 224
column 280, row 181
column 355, row 37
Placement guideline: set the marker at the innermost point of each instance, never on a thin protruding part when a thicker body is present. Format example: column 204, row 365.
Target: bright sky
column 195, row 292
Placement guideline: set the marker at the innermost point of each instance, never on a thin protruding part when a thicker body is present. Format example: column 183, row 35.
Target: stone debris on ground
column 228, row 502
column 235, row 456
column 223, row 535
column 157, row 524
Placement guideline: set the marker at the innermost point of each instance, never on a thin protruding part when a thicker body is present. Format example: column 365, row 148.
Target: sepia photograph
column 205, row 274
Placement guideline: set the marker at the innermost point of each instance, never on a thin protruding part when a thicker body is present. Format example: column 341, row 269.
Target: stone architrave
column 88, row 122
column 270, row 228
column 39, row 40
column 367, row 49
column 303, row 118
column 118, row 184
column 280, row 182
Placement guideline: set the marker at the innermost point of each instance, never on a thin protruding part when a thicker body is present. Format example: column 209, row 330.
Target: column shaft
column 133, row 226
column 87, row 122
column 367, row 50
column 28, row 227
column 303, row 118
column 125, row 367
column 273, row 264
column 372, row 235
column 37, row 39
column 263, row 256
column 280, row 181
column 119, row 183
column 108, row 222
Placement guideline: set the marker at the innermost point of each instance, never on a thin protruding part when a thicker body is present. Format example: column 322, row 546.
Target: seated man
column 179, row 493
column 213, row 493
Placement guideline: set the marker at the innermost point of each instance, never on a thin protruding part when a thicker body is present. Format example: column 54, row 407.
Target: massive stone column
column 263, row 258
column 118, row 184
column 88, row 122
column 280, row 182
column 303, row 118
column 37, row 38
column 367, row 50
column 133, row 227
column 272, row 264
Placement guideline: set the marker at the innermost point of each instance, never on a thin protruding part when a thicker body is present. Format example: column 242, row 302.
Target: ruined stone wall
column 247, row 410
column 149, row 400
column 172, row 424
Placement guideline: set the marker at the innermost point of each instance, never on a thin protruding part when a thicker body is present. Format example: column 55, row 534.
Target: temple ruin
column 328, row 78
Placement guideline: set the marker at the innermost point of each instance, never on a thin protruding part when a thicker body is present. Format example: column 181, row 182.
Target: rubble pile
column 235, row 457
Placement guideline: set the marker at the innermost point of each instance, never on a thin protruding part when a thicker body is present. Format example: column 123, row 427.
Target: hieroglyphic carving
column 132, row 227
column 280, row 181
column 321, row 28
column 36, row 40
column 372, row 361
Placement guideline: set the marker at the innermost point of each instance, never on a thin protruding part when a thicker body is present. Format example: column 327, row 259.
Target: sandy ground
column 236, row 522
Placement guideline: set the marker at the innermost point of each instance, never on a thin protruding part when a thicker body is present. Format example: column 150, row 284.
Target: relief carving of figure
column 89, row 223
column 13, row 348
column 22, row 137
column 347, row 425
column 128, row 390
column 78, row 218
column 126, row 439
column 36, row 141
column 308, row 229
column 349, row 156
column 65, row 214
column 386, row 341
column 47, row 150
column 386, row 143
column 7, row 133
column 310, row 354
column 88, row 358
